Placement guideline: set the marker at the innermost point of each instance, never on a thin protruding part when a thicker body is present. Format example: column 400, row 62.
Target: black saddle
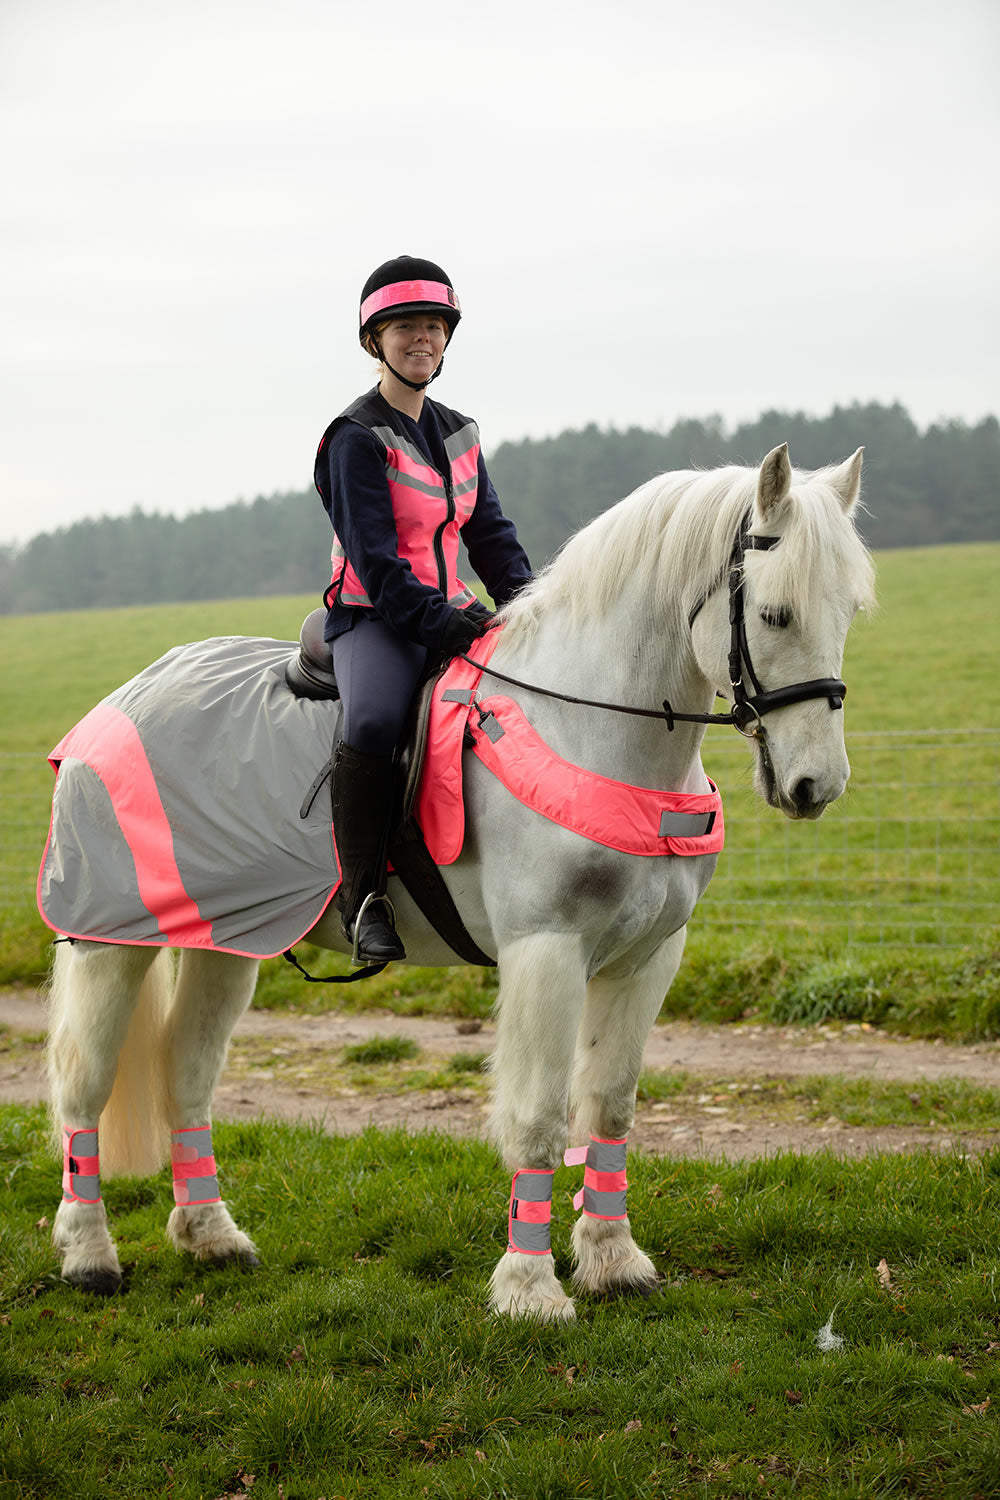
column 310, row 674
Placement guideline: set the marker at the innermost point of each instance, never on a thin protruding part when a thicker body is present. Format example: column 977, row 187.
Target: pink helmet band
column 401, row 292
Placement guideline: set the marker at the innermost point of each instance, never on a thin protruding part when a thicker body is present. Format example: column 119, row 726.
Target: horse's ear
column 774, row 480
column 846, row 480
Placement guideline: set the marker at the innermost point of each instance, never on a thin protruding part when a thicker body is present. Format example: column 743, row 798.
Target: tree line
column 921, row 488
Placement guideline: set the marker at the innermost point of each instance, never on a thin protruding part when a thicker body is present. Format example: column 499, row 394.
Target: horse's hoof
column 101, row 1283
column 242, row 1260
column 641, row 1289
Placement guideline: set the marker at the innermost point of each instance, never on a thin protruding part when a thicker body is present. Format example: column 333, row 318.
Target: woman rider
column 400, row 475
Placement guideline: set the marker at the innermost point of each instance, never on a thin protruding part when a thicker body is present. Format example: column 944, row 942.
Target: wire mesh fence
column 910, row 854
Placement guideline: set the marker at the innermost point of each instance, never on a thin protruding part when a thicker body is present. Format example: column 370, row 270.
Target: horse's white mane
column 678, row 529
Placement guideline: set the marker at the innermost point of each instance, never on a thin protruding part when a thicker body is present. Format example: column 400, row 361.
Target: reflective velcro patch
column 194, row 1169
column 530, row 1211
column 81, row 1173
column 680, row 825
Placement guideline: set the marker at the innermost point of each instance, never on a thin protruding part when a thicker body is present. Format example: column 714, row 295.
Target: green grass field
column 359, row 1361
column 888, row 910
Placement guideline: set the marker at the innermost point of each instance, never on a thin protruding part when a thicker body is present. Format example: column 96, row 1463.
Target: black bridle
column 748, row 708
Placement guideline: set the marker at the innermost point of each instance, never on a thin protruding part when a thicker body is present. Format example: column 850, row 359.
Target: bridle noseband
column 748, row 709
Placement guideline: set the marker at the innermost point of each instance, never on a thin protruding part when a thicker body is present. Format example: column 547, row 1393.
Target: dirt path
column 291, row 1066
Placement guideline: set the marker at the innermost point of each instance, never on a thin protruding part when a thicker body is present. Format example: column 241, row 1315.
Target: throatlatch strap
column 603, row 1195
column 195, row 1179
column 530, row 1211
column 81, row 1174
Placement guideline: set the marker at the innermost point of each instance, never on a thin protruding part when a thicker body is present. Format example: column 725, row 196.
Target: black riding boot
column 362, row 807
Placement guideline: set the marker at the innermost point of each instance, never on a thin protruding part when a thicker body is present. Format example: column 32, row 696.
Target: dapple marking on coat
column 588, row 939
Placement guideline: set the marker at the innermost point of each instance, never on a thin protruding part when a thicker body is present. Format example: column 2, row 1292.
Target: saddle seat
column 310, row 673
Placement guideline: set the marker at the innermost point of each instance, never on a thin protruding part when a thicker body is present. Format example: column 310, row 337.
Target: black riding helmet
column 408, row 285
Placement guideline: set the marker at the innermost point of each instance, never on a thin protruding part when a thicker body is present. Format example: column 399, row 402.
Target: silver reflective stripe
column 530, row 1212
column 411, row 482
column 603, row 1200
column 461, row 441
column 678, row 825
column 398, row 440
column 457, row 695
column 463, row 597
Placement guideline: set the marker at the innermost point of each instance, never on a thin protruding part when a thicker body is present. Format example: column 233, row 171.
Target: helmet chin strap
column 415, row 385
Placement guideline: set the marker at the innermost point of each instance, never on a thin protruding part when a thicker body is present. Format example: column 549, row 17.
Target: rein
column 748, row 709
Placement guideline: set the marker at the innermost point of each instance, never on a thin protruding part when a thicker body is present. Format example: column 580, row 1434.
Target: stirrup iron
column 372, row 896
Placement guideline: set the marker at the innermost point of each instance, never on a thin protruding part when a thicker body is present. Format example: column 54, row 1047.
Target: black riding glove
column 462, row 629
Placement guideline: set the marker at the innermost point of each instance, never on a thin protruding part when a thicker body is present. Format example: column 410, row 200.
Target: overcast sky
column 649, row 210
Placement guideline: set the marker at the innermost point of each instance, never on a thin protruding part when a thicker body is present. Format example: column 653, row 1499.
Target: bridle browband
column 748, row 709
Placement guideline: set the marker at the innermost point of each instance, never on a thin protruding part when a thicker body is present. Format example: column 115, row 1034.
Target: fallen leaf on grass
column 794, row 1398
column 634, row 1426
column 885, row 1275
column 42, row 1223
column 976, row 1411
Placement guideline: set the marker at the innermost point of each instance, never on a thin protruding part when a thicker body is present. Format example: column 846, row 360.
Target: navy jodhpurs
column 377, row 673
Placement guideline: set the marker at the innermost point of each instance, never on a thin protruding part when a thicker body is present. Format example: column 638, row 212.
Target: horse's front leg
column 212, row 992
column 542, row 987
column 617, row 1018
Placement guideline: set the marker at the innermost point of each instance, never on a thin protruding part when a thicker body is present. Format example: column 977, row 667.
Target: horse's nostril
column 805, row 794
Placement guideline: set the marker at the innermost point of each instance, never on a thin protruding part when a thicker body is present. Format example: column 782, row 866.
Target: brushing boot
column 362, row 806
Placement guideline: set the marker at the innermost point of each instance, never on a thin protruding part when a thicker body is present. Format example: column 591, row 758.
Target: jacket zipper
column 439, row 557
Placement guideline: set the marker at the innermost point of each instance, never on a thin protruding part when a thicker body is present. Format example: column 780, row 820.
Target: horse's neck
column 614, row 661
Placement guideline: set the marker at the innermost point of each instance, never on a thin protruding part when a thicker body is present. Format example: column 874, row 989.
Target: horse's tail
column 134, row 1126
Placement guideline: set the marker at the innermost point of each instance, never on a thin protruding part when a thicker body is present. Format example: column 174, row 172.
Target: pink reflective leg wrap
column 603, row 1195
column 530, row 1211
column 81, row 1173
column 195, row 1179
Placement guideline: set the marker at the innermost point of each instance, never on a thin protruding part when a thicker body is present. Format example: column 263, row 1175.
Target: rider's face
column 414, row 345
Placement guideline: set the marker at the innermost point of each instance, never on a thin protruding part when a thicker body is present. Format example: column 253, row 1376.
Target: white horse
column 634, row 609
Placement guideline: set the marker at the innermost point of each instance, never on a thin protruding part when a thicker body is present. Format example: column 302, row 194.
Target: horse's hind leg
column 617, row 1018
column 542, row 985
column 212, row 992
column 92, row 998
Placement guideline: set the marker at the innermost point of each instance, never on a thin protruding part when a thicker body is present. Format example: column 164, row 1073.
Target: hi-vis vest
column 429, row 508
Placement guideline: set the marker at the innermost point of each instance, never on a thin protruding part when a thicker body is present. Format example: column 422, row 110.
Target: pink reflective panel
column 203, row 1167
column 533, row 1213
column 605, row 1182
column 407, row 291
column 575, row 1156
column 108, row 742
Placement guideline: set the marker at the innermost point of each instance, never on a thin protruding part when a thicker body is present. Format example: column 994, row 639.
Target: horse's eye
column 779, row 618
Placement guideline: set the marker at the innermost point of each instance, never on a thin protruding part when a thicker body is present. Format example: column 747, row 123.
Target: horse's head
column 800, row 593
